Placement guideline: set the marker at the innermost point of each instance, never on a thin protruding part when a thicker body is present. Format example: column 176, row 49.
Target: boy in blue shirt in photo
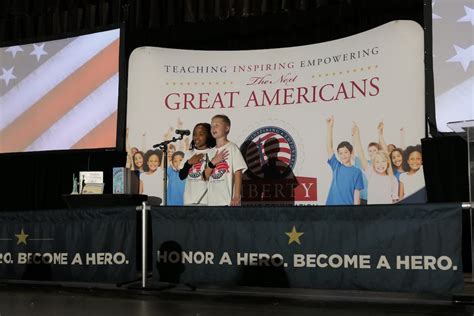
column 346, row 179
column 175, row 184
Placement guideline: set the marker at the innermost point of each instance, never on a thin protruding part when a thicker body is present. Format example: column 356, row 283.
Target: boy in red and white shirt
column 225, row 168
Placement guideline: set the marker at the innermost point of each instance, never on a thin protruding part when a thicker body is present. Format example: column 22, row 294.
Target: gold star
column 21, row 237
column 294, row 236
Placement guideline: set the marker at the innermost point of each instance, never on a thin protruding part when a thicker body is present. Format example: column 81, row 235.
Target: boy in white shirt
column 224, row 171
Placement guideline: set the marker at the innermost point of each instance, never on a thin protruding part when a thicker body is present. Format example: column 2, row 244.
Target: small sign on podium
column 93, row 188
column 91, row 177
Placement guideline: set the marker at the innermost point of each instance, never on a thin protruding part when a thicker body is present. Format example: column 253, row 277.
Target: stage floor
column 55, row 299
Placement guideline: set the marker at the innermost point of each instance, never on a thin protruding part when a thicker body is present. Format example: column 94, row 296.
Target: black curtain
column 445, row 163
column 38, row 180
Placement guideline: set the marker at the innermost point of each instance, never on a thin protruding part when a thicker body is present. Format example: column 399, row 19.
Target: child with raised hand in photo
column 414, row 179
column 372, row 149
column 175, row 184
column 224, row 171
column 138, row 161
column 382, row 184
column 396, row 158
column 194, row 164
column 346, row 179
column 151, row 181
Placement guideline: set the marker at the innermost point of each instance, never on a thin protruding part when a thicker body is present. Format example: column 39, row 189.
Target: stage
column 100, row 299
column 390, row 248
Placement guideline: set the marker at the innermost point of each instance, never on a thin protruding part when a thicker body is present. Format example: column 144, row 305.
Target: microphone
column 184, row 132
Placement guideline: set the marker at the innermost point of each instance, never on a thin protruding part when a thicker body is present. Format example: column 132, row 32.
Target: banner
column 391, row 248
column 86, row 245
column 311, row 108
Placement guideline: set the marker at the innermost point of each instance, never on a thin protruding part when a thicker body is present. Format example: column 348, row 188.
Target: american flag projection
column 453, row 60
column 60, row 94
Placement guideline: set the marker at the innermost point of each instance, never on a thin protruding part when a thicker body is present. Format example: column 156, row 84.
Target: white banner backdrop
column 288, row 94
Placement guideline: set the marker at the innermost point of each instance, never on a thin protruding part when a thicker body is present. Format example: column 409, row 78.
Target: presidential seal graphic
column 270, row 152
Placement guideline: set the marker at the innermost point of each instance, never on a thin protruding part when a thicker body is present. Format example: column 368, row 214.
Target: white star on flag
column 7, row 75
column 14, row 50
column 469, row 17
column 464, row 56
column 38, row 51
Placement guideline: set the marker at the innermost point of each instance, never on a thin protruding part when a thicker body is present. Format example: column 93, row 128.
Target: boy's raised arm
column 329, row 146
column 381, row 138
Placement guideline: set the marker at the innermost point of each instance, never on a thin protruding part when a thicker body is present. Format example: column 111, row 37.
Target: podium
column 465, row 129
column 75, row 201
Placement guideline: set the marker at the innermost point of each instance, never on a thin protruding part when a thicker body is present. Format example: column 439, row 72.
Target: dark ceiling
column 204, row 24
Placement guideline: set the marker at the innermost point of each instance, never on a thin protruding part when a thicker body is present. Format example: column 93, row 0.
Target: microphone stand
column 164, row 148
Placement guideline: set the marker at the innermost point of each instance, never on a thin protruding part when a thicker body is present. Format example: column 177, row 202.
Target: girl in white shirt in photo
column 151, row 180
column 414, row 179
column 382, row 184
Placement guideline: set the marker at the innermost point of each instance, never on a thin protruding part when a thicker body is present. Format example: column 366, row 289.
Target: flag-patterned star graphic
column 464, row 56
column 13, row 50
column 469, row 17
column 38, row 51
column 294, row 236
column 7, row 75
